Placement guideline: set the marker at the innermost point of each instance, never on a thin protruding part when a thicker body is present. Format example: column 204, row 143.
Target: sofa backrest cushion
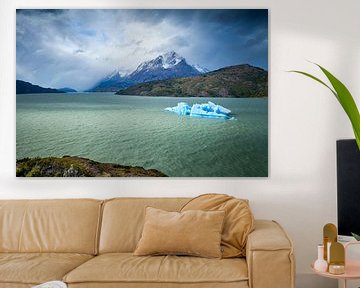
column 123, row 220
column 64, row 226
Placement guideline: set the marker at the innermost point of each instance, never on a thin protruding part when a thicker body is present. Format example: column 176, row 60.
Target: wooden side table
column 352, row 268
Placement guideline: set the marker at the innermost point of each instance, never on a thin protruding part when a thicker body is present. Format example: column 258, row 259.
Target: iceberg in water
column 205, row 110
column 182, row 108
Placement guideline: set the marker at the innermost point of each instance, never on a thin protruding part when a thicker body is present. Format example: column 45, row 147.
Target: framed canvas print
column 142, row 92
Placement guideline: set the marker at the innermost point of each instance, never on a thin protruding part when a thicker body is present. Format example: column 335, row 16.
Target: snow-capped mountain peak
column 116, row 73
column 171, row 59
column 166, row 61
column 165, row 66
column 200, row 68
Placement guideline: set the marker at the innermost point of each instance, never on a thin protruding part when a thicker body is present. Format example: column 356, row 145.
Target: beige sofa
column 89, row 243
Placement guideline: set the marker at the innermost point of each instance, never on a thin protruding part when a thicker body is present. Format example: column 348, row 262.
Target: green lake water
column 136, row 131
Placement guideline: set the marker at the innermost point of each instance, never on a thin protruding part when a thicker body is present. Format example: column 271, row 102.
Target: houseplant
column 346, row 100
column 344, row 97
column 357, row 237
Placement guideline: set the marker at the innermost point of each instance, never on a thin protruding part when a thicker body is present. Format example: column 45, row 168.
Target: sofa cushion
column 239, row 220
column 126, row 268
column 63, row 226
column 123, row 220
column 36, row 268
column 193, row 232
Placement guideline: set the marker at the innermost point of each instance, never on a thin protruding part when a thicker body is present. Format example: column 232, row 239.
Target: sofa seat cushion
column 36, row 268
column 125, row 267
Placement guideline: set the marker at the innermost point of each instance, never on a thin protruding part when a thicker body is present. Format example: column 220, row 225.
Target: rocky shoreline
column 73, row 166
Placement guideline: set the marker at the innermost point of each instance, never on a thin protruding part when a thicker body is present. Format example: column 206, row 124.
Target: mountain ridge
column 165, row 66
column 236, row 81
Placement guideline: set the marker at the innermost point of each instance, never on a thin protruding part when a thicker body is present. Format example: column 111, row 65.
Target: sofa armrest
column 269, row 256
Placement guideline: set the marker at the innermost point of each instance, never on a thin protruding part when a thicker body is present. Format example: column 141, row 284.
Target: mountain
column 112, row 82
column 67, row 90
column 200, row 68
column 233, row 81
column 23, row 87
column 166, row 66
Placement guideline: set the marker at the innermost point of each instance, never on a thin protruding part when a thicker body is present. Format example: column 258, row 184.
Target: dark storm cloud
column 39, row 11
column 78, row 47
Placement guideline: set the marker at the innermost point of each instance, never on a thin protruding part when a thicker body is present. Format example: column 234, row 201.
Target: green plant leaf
column 346, row 100
column 344, row 97
column 356, row 236
column 316, row 79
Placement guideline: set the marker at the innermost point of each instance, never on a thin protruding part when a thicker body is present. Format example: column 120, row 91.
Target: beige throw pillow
column 196, row 233
column 239, row 220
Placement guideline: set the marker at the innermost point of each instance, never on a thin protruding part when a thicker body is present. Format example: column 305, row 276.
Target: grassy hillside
column 71, row 166
column 23, row 87
column 234, row 81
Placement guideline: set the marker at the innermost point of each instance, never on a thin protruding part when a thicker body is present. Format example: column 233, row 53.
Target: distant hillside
column 72, row 166
column 67, row 90
column 233, row 81
column 23, row 87
column 112, row 83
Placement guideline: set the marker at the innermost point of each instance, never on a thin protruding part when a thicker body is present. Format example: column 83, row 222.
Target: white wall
column 304, row 122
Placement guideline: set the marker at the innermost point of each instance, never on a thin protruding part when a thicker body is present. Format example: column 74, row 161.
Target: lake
column 136, row 131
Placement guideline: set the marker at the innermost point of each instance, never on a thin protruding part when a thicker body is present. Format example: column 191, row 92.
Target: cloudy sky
column 77, row 48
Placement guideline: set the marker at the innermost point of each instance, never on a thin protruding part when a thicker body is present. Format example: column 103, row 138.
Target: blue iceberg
column 205, row 110
column 182, row 108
